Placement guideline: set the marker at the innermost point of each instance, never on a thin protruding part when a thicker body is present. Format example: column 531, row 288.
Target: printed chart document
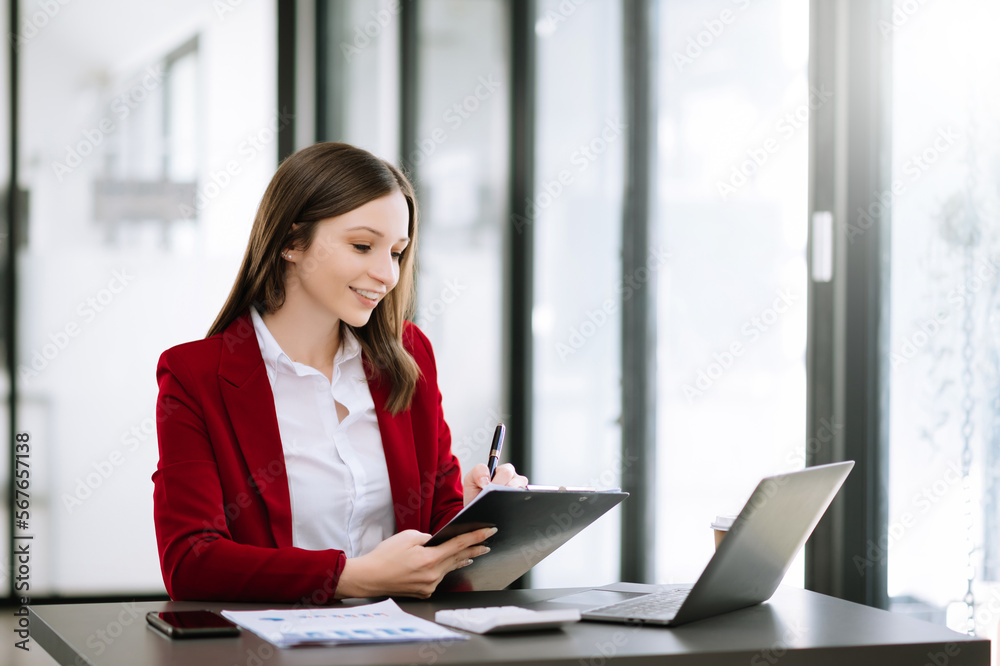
column 383, row 622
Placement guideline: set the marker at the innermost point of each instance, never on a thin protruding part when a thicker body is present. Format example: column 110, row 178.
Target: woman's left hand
column 479, row 477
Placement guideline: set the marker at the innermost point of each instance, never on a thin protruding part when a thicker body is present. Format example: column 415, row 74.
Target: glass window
column 147, row 138
column 734, row 105
column 576, row 319
column 943, row 542
column 361, row 81
column 460, row 159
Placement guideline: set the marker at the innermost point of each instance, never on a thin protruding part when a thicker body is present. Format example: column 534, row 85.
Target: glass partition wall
column 147, row 136
column 733, row 114
column 944, row 355
column 576, row 219
column 459, row 157
column 358, row 63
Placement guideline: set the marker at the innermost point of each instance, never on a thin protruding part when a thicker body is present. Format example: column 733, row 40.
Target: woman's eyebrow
column 378, row 233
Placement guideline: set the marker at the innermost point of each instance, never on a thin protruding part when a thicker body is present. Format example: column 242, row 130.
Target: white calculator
column 498, row 619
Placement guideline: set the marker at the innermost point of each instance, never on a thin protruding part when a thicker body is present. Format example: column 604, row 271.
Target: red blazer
column 220, row 499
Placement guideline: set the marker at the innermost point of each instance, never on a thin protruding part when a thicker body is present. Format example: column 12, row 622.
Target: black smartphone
column 191, row 624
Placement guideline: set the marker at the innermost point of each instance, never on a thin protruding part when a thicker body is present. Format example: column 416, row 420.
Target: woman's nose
column 383, row 269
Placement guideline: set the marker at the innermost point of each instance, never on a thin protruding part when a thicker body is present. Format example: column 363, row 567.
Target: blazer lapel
column 249, row 402
column 400, row 455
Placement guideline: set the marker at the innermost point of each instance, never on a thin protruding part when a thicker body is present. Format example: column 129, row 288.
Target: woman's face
column 353, row 261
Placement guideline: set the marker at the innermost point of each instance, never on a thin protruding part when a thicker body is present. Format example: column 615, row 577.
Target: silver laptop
column 748, row 565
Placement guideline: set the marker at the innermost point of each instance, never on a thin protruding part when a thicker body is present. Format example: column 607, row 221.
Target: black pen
column 495, row 448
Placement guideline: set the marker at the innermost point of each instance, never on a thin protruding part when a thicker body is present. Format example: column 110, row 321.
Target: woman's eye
column 397, row 255
column 360, row 247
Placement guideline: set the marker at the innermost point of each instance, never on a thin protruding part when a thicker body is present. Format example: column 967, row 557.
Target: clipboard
column 532, row 522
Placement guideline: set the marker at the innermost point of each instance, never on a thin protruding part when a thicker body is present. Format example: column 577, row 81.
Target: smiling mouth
column 370, row 295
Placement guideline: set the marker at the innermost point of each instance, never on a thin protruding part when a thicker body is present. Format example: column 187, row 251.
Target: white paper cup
column 721, row 527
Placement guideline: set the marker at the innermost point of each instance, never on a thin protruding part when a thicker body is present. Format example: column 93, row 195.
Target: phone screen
column 190, row 624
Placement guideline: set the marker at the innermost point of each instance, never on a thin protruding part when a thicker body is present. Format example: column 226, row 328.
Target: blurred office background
column 675, row 245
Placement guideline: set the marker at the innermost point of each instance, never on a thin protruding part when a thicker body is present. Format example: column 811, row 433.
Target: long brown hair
column 316, row 183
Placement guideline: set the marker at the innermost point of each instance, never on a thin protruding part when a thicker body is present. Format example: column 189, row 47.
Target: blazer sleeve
column 199, row 556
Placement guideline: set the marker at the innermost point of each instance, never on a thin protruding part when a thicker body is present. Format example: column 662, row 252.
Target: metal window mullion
column 409, row 85
column 330, row 70
column 520, row 235
column 847, row 390
column 10, row 282
column 638, row 337
column 286, row 28
column 519, row 277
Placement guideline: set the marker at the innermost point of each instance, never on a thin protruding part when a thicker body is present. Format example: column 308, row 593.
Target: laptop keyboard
column 655, row 606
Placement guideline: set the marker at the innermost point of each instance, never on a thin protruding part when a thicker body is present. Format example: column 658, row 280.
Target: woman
column 303, row 451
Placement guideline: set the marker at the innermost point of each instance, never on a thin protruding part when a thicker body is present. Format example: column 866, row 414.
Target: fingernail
column 493, row 530
column 486, row 549
column 467, row 563
column 484, row 481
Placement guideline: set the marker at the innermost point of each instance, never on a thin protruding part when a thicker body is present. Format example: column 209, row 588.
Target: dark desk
column 795, row 627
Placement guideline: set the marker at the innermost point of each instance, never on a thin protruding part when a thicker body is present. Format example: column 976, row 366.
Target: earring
column 285, row 255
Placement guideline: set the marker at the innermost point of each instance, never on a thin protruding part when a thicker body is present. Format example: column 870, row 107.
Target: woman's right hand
column 402, row 566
